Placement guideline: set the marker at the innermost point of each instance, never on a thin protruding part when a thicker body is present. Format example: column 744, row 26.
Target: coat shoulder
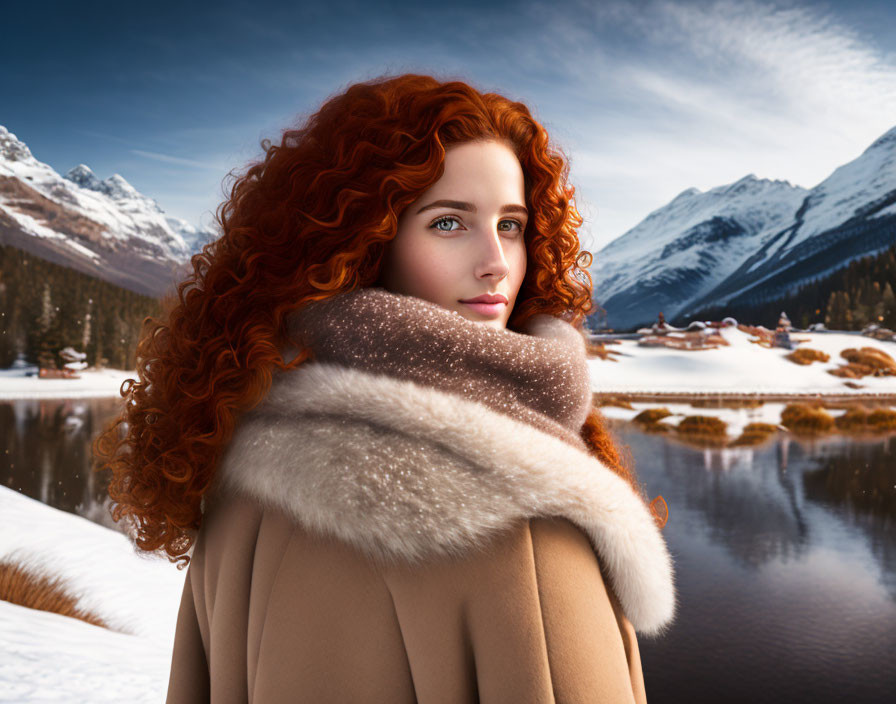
column 531, row 611
column 525, row 616
column 271, row 608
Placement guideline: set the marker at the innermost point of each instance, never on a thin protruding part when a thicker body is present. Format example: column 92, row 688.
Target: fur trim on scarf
column 404, row 472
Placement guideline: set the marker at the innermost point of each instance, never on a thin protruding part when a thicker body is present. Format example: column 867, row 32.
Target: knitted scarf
column 413, row 433
column 539, row 377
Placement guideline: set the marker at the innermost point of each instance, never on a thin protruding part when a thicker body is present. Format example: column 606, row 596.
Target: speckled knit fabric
column 539, row 376
column 413, row 434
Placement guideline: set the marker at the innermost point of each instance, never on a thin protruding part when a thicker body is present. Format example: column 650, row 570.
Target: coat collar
column 406, row 472
column 538, row 374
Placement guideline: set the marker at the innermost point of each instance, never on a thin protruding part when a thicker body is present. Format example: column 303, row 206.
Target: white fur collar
column 404, row 471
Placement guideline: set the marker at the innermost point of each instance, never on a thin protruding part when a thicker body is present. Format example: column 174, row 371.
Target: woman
column 418, row 502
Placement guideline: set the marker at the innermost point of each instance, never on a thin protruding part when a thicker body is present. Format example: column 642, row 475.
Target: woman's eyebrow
column 463, row 205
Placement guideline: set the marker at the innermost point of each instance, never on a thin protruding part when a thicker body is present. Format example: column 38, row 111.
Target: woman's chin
column 491, row 322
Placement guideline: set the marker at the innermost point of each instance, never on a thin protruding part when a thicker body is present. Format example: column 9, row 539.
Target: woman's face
column 464, row 237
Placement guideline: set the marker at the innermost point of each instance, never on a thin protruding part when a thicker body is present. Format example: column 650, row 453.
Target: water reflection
column 744, row 500
column 858, row 484
column 46, row 444
column 785, row 553
column 784, row 562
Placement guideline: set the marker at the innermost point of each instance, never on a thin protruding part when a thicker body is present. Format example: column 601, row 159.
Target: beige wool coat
column 369, row 539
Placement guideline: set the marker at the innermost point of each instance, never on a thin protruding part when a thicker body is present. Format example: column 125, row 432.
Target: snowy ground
column 14, row 384
column 742, row 368
column 45, row 657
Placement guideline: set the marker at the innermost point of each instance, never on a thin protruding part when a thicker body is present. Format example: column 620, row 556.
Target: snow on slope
column 47, row 657
column 850, row 187
column 660, row 243
column 842, row 218
column 705, row 248
column 134, row 593
column 113, row 203
column 140, row 208
column 683, row 249
column 104, row 228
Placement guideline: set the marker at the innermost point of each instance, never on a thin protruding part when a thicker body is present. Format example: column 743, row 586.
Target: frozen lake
column 785, row 554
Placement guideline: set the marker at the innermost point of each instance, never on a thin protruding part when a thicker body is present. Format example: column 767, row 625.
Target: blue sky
column 647, row 98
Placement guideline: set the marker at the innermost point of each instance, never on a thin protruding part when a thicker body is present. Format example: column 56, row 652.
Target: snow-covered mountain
column 746, row 242
column 105, row 228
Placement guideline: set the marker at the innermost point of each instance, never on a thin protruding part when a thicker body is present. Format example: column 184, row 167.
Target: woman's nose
column 492, row 258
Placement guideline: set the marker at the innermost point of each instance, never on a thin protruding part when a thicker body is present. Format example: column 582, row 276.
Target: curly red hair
column 310, row 220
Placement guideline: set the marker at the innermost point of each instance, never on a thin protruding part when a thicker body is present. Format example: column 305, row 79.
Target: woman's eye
column 517, row 223
column 448, row 219
column 451, row 219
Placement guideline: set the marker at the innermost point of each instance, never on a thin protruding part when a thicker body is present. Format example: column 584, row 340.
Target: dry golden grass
column 806, row 355
column 599, row 349
column 595, row 349
column 763, row 336
column 807, row 419
column 878, row 361
column 852, row 370
column 755, row 434
column 882, row 419
column 685, row 341
column 859, row 419
column 650, row 416
column 702, row 424
column 854, row 420
column 22, row 586
column 703, row 430
column 613, row 401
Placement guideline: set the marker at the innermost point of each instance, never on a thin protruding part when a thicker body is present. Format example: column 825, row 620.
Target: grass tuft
column 755, row 434
column 806, row 355
column 807, row 419
column 703, row 430
column 25, row 587
column 650, row 416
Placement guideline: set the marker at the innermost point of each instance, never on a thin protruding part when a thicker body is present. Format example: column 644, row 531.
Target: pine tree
column 46, row 315
column 48, row 340
column 888, row 307
column 833, row 316
column 839, row 315
column 85, row 330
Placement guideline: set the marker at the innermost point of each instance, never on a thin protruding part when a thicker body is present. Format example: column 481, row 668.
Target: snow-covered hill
column 46, row 657
column 105, row 228
column 749, row 241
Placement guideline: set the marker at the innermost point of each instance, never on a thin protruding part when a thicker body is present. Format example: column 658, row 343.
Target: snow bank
column 742, row 368
column 45, row 656
column 15, row 385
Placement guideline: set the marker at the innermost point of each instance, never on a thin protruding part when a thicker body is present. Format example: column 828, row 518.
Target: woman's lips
column 489, row 309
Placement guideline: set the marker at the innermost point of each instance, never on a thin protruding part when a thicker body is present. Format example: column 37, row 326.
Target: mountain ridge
column 102, row 227
column 752, row 239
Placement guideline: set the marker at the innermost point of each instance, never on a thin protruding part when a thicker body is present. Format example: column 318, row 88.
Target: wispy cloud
column 647, row 97
column 798, row 59
column 676, row 94
column 168, row 159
